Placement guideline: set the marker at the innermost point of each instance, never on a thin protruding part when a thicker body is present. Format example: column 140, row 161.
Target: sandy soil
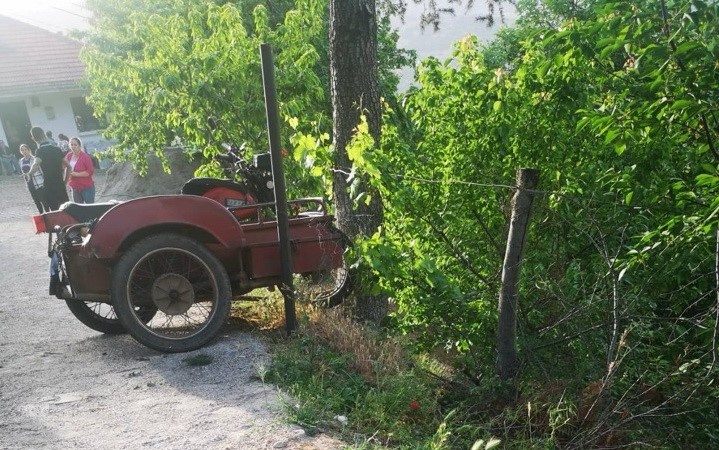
column 63, row 385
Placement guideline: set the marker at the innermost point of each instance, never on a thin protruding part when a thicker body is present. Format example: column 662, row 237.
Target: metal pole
column 273, row 130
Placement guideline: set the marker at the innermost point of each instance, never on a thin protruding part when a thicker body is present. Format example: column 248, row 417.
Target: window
column 84, row 115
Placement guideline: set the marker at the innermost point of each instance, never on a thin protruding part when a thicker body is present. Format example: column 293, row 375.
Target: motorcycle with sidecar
column 166, row 268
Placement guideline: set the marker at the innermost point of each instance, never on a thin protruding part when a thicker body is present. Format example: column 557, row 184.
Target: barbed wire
column 542, row 192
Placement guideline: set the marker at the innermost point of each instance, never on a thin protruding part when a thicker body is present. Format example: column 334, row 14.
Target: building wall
column 53, row 111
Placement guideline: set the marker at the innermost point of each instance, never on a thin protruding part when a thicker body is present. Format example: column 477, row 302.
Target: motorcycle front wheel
column 98, row 316
column 101, row 316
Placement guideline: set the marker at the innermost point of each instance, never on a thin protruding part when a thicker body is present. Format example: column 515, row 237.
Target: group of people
column 50, row 169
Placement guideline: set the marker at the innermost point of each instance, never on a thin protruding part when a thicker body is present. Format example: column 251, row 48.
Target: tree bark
column 507, row 359
column 355, row 91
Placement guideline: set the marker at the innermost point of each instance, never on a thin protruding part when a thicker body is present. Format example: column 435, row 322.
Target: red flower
column 414, row 405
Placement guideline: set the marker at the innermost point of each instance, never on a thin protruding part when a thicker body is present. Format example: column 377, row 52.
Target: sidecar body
column 167, row 267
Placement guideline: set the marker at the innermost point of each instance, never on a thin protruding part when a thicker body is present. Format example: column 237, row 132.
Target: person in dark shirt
column 50, row 159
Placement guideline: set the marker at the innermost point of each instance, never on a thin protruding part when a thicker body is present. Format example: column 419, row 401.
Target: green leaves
column 184, row 61
column 610, row 113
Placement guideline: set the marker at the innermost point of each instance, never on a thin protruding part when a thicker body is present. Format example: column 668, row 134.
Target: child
column 35, row 183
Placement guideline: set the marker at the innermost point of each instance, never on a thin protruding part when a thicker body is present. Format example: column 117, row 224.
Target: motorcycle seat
column 198, row 186
column 87, row 212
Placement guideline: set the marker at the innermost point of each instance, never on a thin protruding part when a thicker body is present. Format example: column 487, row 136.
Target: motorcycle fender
column 155, row 212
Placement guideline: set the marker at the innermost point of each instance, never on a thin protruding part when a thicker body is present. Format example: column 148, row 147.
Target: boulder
column 123, row 182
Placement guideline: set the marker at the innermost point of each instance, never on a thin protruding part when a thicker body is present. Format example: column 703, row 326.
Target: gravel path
column 63, row 385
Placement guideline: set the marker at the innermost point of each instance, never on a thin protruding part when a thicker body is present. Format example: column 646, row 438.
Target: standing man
column 48, row 133
column 52, row 161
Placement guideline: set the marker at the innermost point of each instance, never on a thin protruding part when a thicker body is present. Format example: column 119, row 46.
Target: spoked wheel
column 98, row 316
column 101, row 316
column 327, row 288
column 183, row 281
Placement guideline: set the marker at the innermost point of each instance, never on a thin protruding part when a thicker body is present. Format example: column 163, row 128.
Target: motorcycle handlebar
column 232, row 153
column 232, row 159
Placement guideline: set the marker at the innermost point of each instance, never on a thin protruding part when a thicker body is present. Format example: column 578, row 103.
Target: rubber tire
column 306, row 288
column 87, row 316
column 339, row 294
column 122, row 271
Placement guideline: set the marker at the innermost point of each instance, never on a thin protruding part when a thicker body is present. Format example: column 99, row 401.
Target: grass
column 349, row 380
column 334, row 370
column 361, row 384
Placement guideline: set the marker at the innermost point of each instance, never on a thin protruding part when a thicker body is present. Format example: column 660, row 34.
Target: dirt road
column 63, row 385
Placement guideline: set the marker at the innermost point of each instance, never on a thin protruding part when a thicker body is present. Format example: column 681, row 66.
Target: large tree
column 356, row 105
column 355, row 94
column 355, row 91
column 158, row 71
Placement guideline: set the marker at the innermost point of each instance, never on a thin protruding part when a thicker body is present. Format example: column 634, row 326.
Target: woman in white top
column 35, row 184
column 64, row 143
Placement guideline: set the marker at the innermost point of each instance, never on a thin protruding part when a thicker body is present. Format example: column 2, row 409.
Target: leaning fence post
column 507, row 359
column 278, row 176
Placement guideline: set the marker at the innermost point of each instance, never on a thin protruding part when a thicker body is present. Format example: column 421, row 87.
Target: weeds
column 372, row 356
column 363, row 385
column 338, row 368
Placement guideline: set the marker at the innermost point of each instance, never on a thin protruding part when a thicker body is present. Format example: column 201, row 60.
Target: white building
column 40, row 85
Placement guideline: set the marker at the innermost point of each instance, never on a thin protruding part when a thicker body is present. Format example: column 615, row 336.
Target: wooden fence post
column 507, row 359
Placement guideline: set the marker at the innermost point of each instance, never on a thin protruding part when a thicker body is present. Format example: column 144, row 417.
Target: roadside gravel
column 63, row 385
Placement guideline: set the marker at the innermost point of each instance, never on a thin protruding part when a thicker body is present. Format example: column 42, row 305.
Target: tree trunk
column 355, row 91
column 507, row 359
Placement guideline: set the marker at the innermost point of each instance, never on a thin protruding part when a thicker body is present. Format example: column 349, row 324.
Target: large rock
column 124, row 182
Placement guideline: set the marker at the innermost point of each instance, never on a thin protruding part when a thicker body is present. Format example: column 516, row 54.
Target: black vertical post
column 273, row 130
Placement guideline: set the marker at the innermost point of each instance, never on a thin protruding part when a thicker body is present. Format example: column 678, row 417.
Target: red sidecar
column 165, row 268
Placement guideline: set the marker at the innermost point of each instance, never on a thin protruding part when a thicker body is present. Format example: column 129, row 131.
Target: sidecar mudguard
column 70, row 213
column 137, row 218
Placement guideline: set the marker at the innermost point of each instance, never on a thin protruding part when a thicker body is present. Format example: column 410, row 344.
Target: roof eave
column 39, row 89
